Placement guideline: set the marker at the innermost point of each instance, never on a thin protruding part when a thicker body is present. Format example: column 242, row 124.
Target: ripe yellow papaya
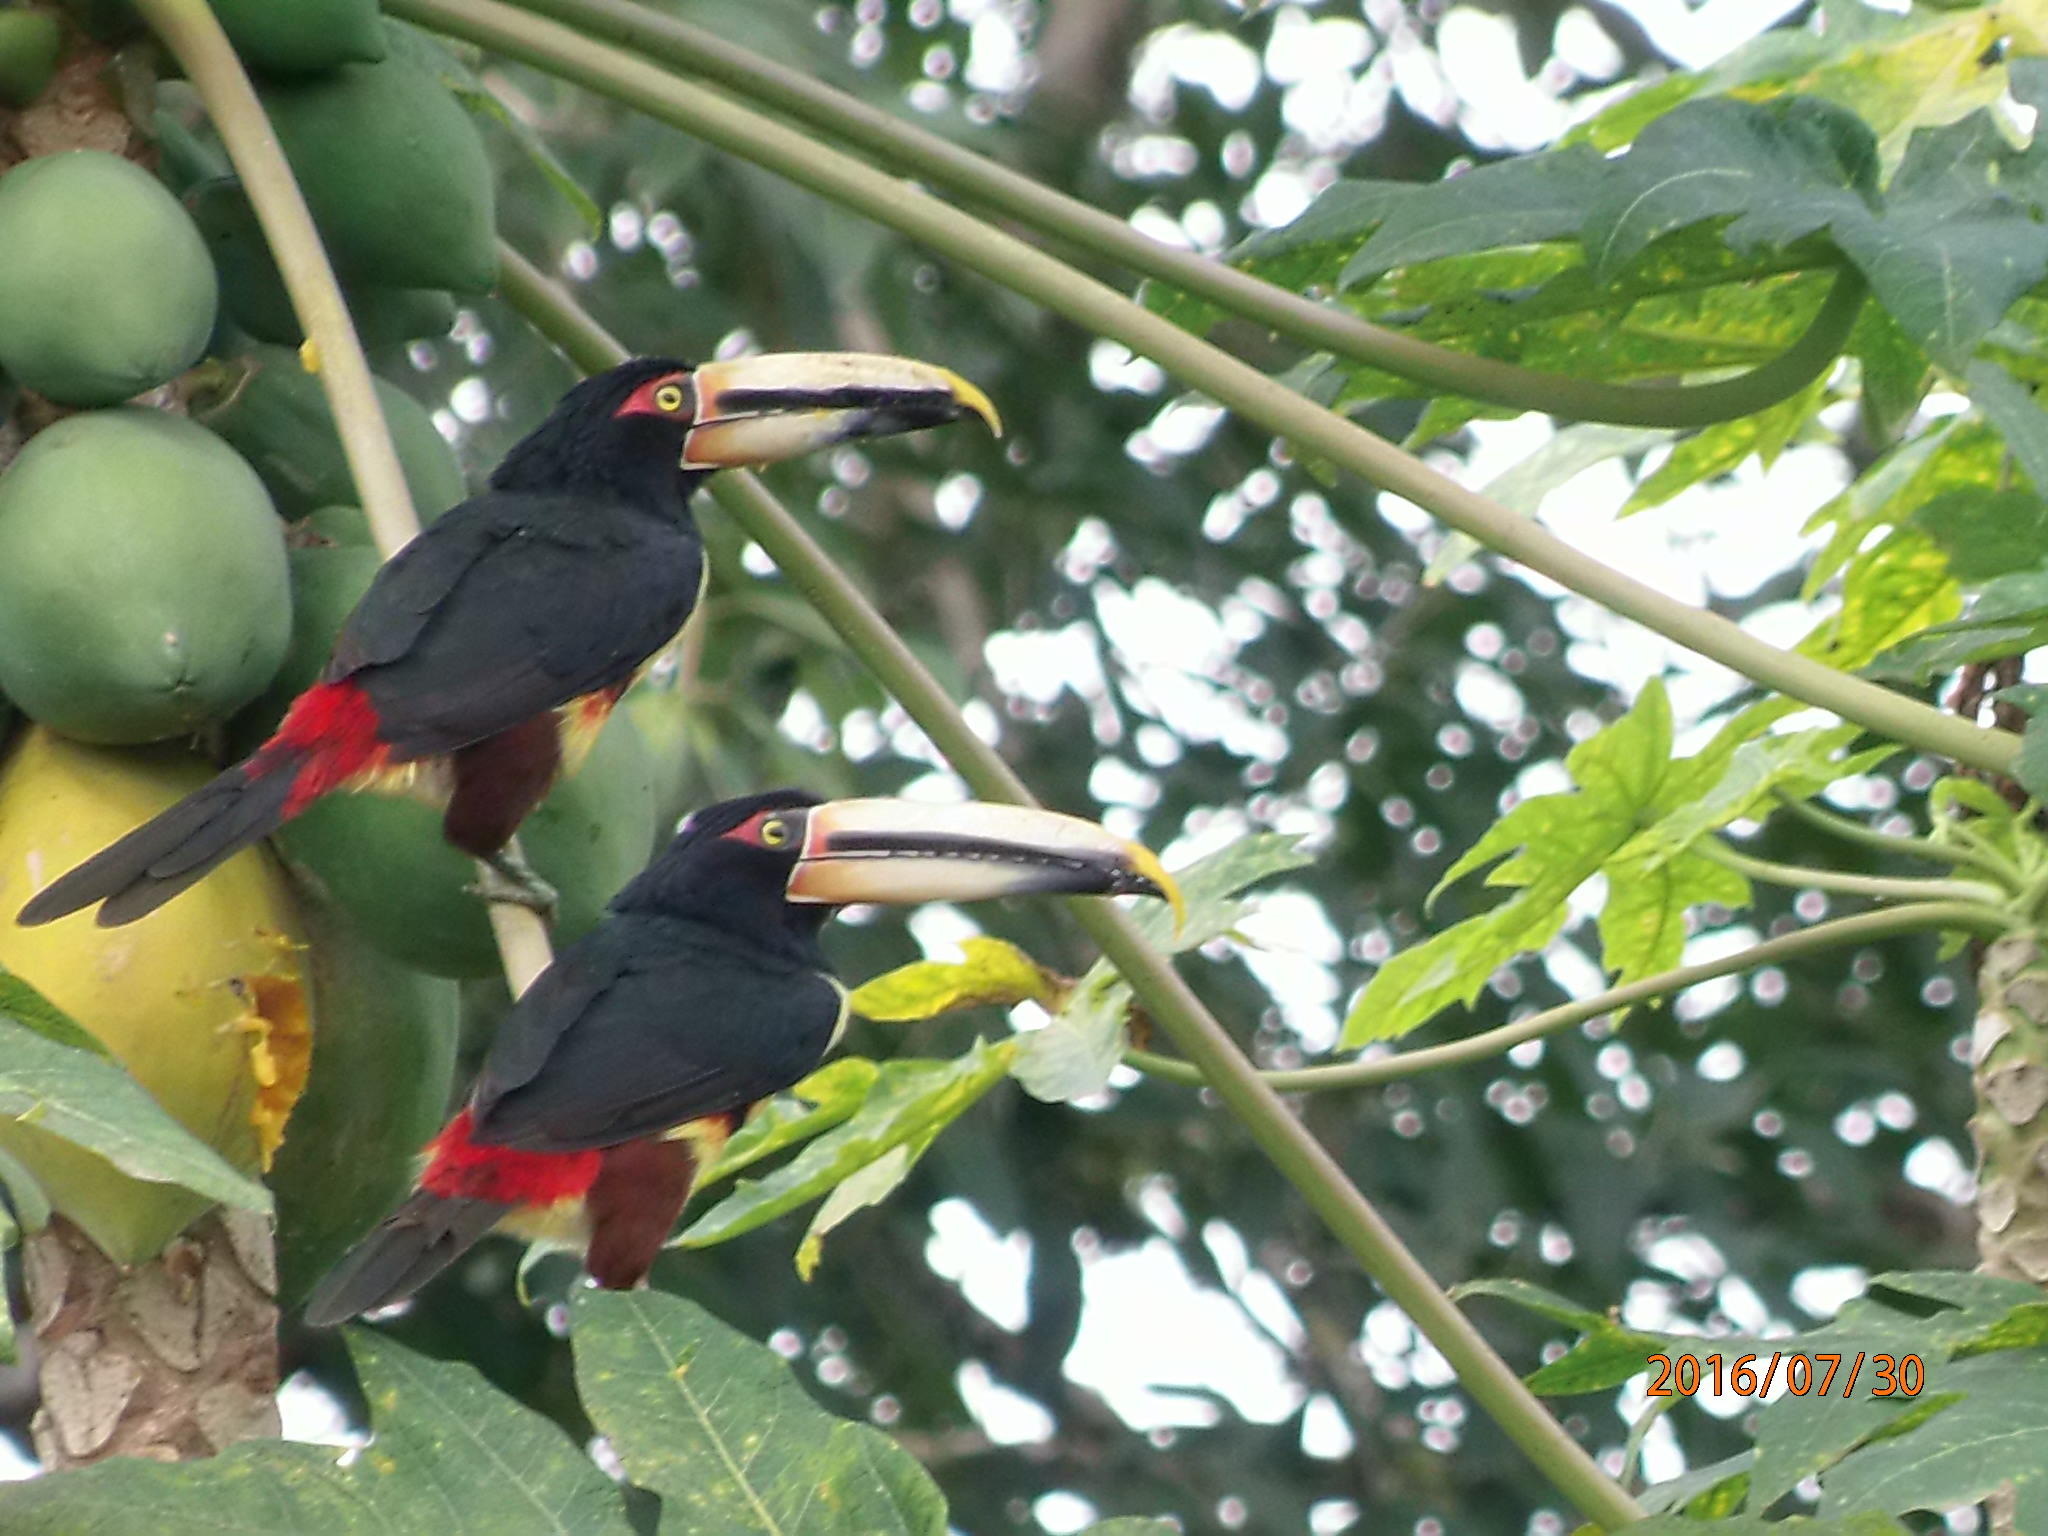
column 143, row 586
column 109, row 288
column 202, row 1000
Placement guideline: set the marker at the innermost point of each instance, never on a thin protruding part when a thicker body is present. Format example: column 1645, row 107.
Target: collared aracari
column 522, row 614
column 621, row 1071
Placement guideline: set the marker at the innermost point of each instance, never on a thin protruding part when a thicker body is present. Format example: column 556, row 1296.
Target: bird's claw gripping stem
column 506, row 876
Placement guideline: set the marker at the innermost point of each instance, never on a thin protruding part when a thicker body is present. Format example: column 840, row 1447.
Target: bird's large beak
column 758, row 410
column 907, row 851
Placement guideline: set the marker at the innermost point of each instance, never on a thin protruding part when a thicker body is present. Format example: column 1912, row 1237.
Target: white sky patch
column 1822, row 1290
column 1005, row 1415
column 992, row 1271
column 308, row 1412
column 1292, row 948
column 1503, row 109
column 1194, row 56
column 1147, row 1328
column 1935, row 1165
column 1697, row 37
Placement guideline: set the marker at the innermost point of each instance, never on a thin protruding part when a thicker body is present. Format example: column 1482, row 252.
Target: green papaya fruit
column 394, row 171
column 327, row 581
column 143, row 583
column 252, row 291
column 383, row 861
column 296, row 37
column 275, row 414
column 29, row 44
column 109, row 290
column 341, row 523
column 384, row 1041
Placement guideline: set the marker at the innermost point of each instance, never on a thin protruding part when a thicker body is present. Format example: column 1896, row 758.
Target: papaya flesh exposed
column 109, row 288
column 202, row 1000
column 143, row 585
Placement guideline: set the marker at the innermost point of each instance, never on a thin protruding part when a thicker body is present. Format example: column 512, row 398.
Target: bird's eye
column 669, row 397
column 774, row 832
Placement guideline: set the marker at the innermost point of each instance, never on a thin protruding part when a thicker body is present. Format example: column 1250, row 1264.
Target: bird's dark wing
column 510, row 605
column 646, row 1024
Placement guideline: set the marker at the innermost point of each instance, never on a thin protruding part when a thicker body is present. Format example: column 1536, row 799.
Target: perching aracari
column 550, row 589
column 624, row 1067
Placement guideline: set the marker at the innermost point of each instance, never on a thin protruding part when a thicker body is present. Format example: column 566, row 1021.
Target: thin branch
column 1271, row 404
column 195, row 39
column 1166, row 996
column 669, row 40
column 1804, row 877
column 1862, row 928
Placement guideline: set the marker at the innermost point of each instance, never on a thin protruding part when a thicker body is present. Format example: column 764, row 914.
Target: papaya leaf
column 1072, row 1057
column 2010, row 406
column 1539, row 1299
column 1521, row 201
column 1642, row 922
column 26, row 1006
column 910, row 1102
column 1866, row 1524
column 1890, row 594
column 1703, row 1493
column 1985, row 532
column 716, row 1424
column 829, row 1096
column 1720, row 448
column 991, row 972
column 452, row 1455
column 866, row 1187
column 2009, row 616
column 93, row 1102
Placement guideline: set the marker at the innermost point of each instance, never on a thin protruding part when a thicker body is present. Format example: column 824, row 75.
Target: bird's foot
column 506, row 876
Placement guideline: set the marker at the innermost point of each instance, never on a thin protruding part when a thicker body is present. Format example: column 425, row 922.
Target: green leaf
column 2009, row 616
column 992, row 972
column 829, row 1096
column 1868, row 1524
column 2010, row 406
column 1891, row 594
column 25, row 1005
column 1996, row 1433
column 910, row 1103
column 1986, row 532
column 93, row 1102
column 453, row 1457
column 865, row 1187
column 1531, row 1297
column 1072, row 1057
column 1720, row 448
column 1781, row 169
column 1521, row 201
column 1605, row 1356
column 716, row 1424
column 1703, row 1492
column 1642, row 922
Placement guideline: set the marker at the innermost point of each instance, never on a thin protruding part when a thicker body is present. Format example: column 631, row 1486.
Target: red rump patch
column 331, row 732
column 459, row 1169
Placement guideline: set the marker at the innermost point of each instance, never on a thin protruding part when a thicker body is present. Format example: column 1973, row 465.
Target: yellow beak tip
column 972, row 396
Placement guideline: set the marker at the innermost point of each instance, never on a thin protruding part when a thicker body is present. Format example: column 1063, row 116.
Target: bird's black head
column 650, row 428
column 729, row 866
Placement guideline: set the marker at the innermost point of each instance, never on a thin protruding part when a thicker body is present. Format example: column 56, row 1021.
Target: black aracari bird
column 517, row 619
column 619, row 1074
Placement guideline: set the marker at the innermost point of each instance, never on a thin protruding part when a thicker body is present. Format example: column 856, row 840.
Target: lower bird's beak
column 758, row 410
column 907, row 851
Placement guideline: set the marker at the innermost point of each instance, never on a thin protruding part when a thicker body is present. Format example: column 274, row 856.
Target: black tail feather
column 178, row 849
column 408, row 1248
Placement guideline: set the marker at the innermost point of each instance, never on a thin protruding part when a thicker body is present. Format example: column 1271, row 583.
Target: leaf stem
column 195, row 39
column 1927, row 848
column 669, row 40
column 1861, row 928
column 1024, row 269
column 1164, row 993
column 1883, row 887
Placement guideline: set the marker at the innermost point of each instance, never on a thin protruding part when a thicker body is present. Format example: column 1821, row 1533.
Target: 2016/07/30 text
column 1753, row 1376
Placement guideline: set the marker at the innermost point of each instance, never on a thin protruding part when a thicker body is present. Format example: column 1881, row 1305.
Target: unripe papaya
column 252, row 291
column 109, row 290
column 383, row 861
column 143, row 587
column 29, row 44
column 297, row 37
column 327, row 582
column 383, row 1064
column 202, row 1000
column 275, row 414
column 393, row 169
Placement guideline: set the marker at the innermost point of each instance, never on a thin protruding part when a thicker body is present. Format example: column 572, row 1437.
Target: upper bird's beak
column 906, row 851
column 758, row 410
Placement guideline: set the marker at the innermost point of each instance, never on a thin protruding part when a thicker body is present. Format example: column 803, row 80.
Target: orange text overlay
column 1798, row 1372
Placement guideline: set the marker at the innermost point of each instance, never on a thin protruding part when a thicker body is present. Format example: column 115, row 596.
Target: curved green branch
column 1951, row 853
column 1166, row 996
column 1805, row 876
column 1271, row 404
column 195, row 39
column 669, row 40
column 1862, row 928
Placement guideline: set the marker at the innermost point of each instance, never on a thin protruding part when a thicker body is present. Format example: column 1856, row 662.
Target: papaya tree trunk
column 172, row 1360
column 2009, row 1067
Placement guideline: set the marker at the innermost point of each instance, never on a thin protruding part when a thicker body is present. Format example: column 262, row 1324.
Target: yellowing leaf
column 992, row 972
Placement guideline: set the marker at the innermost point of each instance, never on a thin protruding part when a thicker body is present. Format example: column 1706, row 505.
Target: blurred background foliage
column 1166, row 623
